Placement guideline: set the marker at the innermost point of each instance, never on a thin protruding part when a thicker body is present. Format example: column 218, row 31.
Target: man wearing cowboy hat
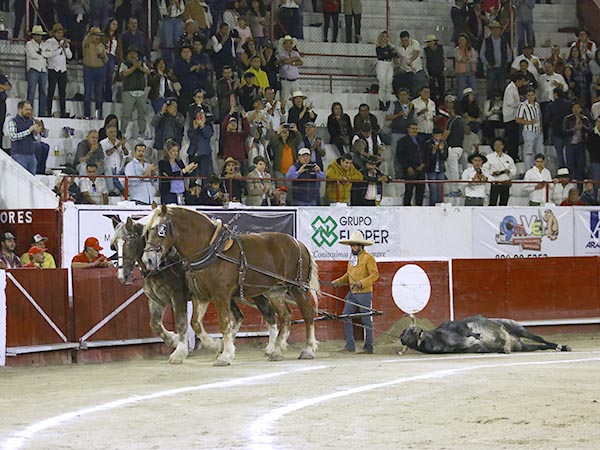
column 477, row 175
column 59, row 51
column 435, row 67
column 289, row 61
column 94, row 59
column 301, row 113
column 361, row 275
column 39, row 241
column 584, row 44
column 495, row 55
column 37, row 53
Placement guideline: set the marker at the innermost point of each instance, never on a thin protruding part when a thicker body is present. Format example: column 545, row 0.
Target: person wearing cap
column 35, row 258
column 305, row 193
column 586, row 46
column 232, row 184
column 300, row 112
column 8, row 257
column 314, row 143
column 561, row 186
column 577, row 127
column 539, row 178
column 134, row 37
column 262, row 79
column 411, row 159
column 95, row 57
column 529, row 116
column 510, row 106
column 436, row 154
column 90, row 257
column 59, row 51
column 233, row 136
column 249, row 91
column 524, row 22
column 340, row 175
column 133, row 73
column 495, row 55
column 469, row 109
column 477, row 177
column 168, row 124
column 289, row 60
column 361, row 275
column 39, row 241
column 192, row 195
column 502, row 169
column 435, row 67
column 171, row 12
column 37, row 53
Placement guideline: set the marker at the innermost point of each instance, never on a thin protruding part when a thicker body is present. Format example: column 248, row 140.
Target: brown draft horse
column 224, row 265
column 169, row 287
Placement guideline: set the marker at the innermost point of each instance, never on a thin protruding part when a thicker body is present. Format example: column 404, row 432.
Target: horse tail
column 313, row 279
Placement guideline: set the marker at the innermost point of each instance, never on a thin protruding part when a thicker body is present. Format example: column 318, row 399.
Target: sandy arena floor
column 543, row 400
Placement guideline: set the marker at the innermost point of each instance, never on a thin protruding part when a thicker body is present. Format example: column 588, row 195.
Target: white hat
column 467, row 91
column 297, row 94
column 37, row 29
column 304, row 151
column 431, row 38
column 562, row 172
column 287, row 37
column 356, row 238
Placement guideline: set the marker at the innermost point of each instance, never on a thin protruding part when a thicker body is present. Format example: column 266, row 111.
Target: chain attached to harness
column 243, row 264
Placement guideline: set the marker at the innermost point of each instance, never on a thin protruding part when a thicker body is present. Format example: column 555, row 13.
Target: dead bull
column 476, row 335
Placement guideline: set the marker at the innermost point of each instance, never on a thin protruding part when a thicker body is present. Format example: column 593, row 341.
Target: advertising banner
column 525, row 232
column 587, row 230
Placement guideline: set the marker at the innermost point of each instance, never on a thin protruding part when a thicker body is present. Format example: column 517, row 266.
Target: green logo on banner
column 324, row 231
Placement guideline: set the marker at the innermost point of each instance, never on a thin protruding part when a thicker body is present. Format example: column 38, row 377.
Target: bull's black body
column 476, row 335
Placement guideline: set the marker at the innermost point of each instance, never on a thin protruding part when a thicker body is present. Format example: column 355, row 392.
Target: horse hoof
column 306, row 355
column 221, row 363
column 275, row 357
column 175, row 360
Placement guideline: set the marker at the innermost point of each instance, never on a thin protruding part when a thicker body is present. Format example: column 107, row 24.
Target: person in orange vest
column 90, row 257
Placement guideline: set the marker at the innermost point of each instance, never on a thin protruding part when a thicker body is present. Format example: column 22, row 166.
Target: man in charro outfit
column 361, row 275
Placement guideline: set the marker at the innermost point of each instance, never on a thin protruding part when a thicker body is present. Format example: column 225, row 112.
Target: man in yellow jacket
column 341, row 169
column 361, row 275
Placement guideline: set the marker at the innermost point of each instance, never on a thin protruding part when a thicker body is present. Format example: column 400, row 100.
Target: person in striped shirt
column 529, row 115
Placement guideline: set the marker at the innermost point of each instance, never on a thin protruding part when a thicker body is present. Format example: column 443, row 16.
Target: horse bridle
column 136, row 237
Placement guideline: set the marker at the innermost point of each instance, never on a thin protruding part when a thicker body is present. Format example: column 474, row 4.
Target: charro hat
column 287, row 37
column 476, row 155
column 297, row 94
column 37, row 29
column 430, row 38
column 356, row 238
column 93, row 243
column 57, row 27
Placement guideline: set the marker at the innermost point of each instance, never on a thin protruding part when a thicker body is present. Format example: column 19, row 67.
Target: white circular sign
column 411, row 289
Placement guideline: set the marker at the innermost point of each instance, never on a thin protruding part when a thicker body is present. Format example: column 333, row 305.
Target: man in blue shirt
column 305, row 193
column 141, row 190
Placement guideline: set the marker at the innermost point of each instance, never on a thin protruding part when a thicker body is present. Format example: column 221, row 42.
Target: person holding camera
column 133, row 72
column 200, row 150
column 305, row 193
column 284, row 145
column 167, row 124
column 478, row 176
column 233, row 137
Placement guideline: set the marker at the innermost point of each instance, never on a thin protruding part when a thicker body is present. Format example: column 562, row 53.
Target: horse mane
column 153, row 218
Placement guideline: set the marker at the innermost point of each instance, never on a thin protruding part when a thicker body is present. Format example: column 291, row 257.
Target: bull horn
column 403, row 351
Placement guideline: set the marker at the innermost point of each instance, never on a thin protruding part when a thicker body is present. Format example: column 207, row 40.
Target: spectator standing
column 549, row 81
column 557, row 61
column 586, row 47
column 172, row 191
column 5, row 86
column 581, row 74
column 112, row 42
column 531, row 80
column 271, row 65
column 133, row 72
column 244, row 36
column 353, row 13
column 284, row 145
column 134, row 37
column 524, row 21
column 409, row 154
column 257, row 19
column 199, row 11
column 289, row 15
column 22, row 130
column 200, row 151
column 492, row 114
column 289, row 61
column 401, row 113
column 115, row 150
column 93, row 189
column 94, row 72
column 539, row 177
column 141, row 190
column 171, row 12
column 340, row 175
column 534, row 67
column 223, row 48
column 424, row 112
column 560, row 108
column 576, row 127
column 435, row 67
column 459, row 15
column 477, row 177
column 365, row 115
column 370, row 192
column 37, row 54
column 529, row 116
column 331, row 12
column 227, row 89
column 386, row 54
column 436, row 154
column 202, row 67
column 8, row 257
column 366, row 143
column 595, row 77
column 300, row 113
column 454, row 135
column 593, row 148
column 495, row 55
column 339, row 127
column 259, row 186
column 465, row 65
column 409, row 70
column 89, row 152
column 502, row 169
column 476, row 22
column 249, row 92
column 305, row 193
column 90, row 257
column 510, row 106
column 160, row 82
column 233, row 137
column 59, row 51
column 168, row 124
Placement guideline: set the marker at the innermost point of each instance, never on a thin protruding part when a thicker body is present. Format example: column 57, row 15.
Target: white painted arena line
column 260, row 430
column 19, row 439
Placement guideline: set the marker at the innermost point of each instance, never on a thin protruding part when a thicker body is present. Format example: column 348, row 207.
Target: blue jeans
column 525, row 35
column 464, row 80
column 533, row 143
column 172, row 29
column 93, row 80
column 576, row 160
column 435, row 189
column 41, row 151
column 365, row 300
column 39, row 80
column 29, row 162
column 559, row 146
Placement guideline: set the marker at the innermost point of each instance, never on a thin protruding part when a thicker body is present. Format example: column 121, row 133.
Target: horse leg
column 237, row 317
column 198, row 311
column 225, row 324
column 179, row 305
column 268, row 313
column 308, row 314
column 157, row 310
column 284, row 317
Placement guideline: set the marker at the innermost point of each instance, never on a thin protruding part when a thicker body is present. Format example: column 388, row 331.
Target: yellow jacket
column 262, row 80
column 335, row 172
column 365, row 271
